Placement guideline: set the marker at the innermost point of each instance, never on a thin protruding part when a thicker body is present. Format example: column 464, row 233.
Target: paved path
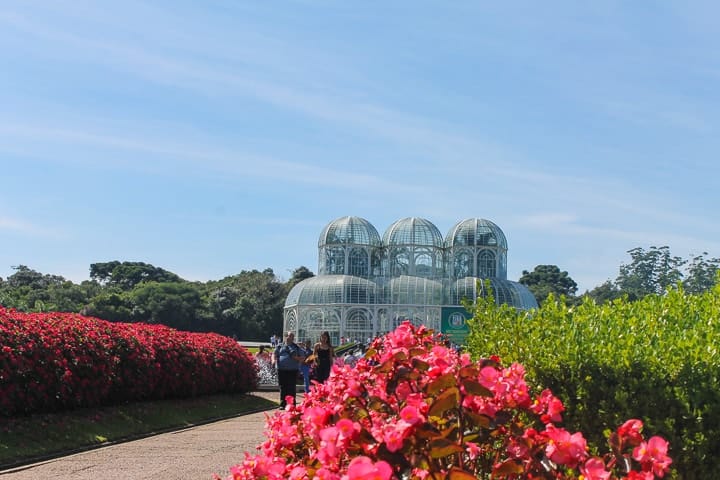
column 192, row 454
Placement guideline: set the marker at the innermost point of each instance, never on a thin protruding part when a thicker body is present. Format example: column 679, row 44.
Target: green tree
column 127, row 275
column 604, row 293
column 547, row 279
column 169, row 303
column 248, row 305
column 32, row 291
column 298, row 275
column 702, row 274
column 110, row 305
column 650, row 272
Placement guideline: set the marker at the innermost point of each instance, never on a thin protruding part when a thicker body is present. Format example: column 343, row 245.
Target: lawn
column 40, row 436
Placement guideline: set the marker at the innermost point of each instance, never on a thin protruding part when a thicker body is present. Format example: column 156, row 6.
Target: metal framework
column 367, row 285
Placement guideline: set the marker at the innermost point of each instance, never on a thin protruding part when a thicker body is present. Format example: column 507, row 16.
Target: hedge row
column 57, row 361
column 657, row 359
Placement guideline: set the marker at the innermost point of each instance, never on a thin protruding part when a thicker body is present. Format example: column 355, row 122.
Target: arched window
column 376, row 263
column 358, row 325
column 486, row 264
column 400, row 262
column 335, row 260
column 462, row 264
column 358, row 262
column 424, row 265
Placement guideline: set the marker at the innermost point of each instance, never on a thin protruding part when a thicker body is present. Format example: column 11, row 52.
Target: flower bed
column 414, row 409
column 56, row 361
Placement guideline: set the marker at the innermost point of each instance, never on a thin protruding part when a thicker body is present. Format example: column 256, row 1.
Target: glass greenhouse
column 367, row 285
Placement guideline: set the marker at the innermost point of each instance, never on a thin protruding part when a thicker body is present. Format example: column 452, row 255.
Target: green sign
column 453, row 323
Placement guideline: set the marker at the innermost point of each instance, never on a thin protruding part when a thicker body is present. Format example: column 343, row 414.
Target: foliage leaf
column 456, row 473
column 440, row 383
column 508, row 467
column 445, row 401
column 441, row 447
column 474, row 388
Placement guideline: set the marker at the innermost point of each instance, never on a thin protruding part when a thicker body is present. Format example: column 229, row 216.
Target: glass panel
column 334, row 260
column 376, row 263
column 462, row 264
column 358, row 262
column 358, row 325
column 486, row 264
column 424, row 265
column 399, row 262
column 502, row 266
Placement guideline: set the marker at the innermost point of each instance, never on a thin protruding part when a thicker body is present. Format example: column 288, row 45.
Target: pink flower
column 653, row 454
column 329, row 451
column 629, row 432
column 518, row 448
column 393, row 435
column 594, row 469
column 411, row 415
column 472, row 449
column 548, row 406
column 363, row 468
column 298, row 473
column 563, row 448
column 326, row 474
column 347, row 428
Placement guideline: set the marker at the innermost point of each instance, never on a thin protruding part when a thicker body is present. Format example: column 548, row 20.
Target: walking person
column 305, row 366
column 288, row 358
column 324, row 357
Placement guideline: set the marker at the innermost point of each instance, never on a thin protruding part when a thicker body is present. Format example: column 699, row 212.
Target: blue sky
column 209, row 138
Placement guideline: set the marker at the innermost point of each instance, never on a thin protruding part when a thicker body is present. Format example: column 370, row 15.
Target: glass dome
column 505, row 291
column 349, row 246
column 349, row 231
column 333, row 289
column 476, row 232
column 413, row 231
column 413, row 246
column 409, row 290
column 476, row 247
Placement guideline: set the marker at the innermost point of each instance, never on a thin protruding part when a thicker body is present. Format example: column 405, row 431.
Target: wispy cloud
column 571, row 225
column 314, row 97
column 14, row 225
column 204, row 160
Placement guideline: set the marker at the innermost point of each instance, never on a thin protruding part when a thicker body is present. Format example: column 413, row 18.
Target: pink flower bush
column 414, row 409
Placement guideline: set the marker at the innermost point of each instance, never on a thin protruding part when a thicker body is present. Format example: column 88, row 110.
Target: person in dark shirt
column 288, row 358
column 324, row 357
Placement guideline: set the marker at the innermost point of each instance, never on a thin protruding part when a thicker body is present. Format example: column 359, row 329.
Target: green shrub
column 654, row 359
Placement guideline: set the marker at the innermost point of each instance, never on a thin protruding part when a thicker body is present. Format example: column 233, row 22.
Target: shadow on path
column 188, row 454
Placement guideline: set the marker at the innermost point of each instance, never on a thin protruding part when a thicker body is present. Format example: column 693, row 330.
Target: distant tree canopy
column 650, row 271
column 655, row 270
column 126, row 275
column 300, row 274
column 248, row 305
column 547, row 279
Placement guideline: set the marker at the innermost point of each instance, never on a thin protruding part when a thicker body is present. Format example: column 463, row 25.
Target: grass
column 39, row 436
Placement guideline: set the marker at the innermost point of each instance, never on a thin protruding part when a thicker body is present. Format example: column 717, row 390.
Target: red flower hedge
column 55, row 361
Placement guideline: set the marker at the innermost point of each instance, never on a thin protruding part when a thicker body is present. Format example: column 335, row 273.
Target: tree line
column 249, row 305
column 648, row 272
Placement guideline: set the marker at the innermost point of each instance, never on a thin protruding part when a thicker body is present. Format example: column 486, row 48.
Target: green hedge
column 655, row 359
